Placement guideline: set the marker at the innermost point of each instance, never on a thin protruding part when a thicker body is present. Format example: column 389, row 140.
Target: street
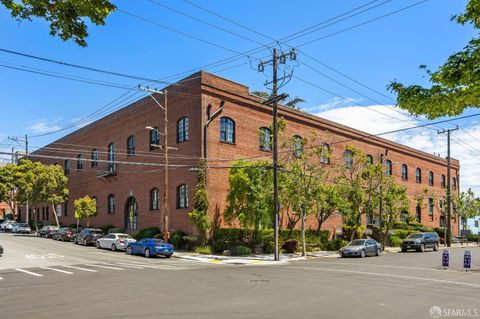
column 42, row 278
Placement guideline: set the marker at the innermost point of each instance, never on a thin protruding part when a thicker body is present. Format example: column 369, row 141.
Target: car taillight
column 122, row 241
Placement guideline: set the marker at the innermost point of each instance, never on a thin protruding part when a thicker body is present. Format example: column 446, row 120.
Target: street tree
column 8, row 186
column 199, row 214
column 466, row 206
column 328, row 201
column 395, row 202
column 85, row 208
column 454, row 85
column 359, row 182
column 249, row 198
column 67, row 18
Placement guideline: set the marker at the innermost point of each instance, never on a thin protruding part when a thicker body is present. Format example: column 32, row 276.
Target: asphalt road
column 396, row 285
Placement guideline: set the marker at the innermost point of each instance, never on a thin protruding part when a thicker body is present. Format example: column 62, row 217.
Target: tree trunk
column 55, row 214
column 304, row 250
column 78, row 222
column 319, row 227
column 352, row 236
column 385, row 235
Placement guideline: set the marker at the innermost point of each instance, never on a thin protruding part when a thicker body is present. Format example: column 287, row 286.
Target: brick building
column 115, row 159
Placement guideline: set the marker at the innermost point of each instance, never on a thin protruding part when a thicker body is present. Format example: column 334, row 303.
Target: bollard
column 445, row 258
column 467, row 260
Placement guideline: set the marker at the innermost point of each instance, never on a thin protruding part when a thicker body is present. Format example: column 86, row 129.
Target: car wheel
column 114, row 248
column 362, row 254
column 378, row 252
column 85, row 242
column 435, row 247
column 422, row 248
column 98, row 245
column 168, row 256
column 129, row 250
column 147, row 253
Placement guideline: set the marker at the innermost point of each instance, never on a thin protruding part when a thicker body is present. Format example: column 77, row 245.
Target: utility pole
column 448, row 238
column 166, row 148
column 273, row 100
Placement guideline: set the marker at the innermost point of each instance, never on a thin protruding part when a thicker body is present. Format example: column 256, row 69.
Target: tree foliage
column 85, row 208
column 456, row 83
column 67, row 18
column 199, row 214
column 292, row 103
column 466, row 206
column 395, row 202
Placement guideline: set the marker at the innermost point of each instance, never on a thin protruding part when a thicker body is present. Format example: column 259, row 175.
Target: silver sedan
column 361, row 248
column 115, row 241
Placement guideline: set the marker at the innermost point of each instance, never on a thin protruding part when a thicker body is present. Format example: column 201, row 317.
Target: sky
column 342, row 68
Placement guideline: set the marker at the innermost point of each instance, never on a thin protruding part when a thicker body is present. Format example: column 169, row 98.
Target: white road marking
column 1, row 278
column 106, row 267
column 391, row 275
column 58, row 270
column 28, row 272
column 127, row 265
column 387, row 266
column 80, row 268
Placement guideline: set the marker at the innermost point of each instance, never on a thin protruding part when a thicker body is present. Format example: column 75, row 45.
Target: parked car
column 1, row 250
column 115, row 241
column 8, row 225
column 88, row 236
column 150, row 247
column 63, row 234
column 21, row 228
column 421, row 241
column 47, row 231
column 361, row 248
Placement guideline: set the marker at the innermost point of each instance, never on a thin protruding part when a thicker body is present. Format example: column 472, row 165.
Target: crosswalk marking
column 80, row 268
column 105, row 267
column 28, row 272
column 58, row 270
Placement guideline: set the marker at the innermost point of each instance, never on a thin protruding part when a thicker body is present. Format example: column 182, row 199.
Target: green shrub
column 472, row 237
column 220, row 246
column 116, row 230
column 290, row 246
column 400, row 225
column 176, row 239
column 158, row 236
column 335, row 244
column 232, row 236
column 106, row 228
column 190, row 242
column 242, row 251
column 146, row 233
column 395, row 241
column 401, row 233
column 204, row 250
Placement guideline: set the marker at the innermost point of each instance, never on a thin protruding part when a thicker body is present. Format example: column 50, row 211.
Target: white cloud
column 336, row 102
column 43, row 126
column 378, row 118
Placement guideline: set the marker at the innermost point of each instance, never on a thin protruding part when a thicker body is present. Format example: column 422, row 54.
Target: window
column 404, row 172
column 227, row 130
column 476, row 223
column 418, row 175
column 418, row 214
column 154, row 138
column 430, row 178
column 111, row 204
column 369, row 159
column 80, row 162
column 454, row 183
column 325, row 154
column 131, row 145
column 430, row 206
column 94, row 158
column 389, row 168
column 154, row 202
column 66, row 167
column 442, row 221
column 403, row 217
column 297, row 146
column 442, row 181
column 265, row 137
column 182, row 130
column 182, row 196
column 47, row 212
column 348, row 158
column 111, row 157
column 43, row 213
column 65, row 208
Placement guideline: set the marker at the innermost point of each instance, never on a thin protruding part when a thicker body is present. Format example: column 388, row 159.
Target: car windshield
column 98, row 232
column 415, row 236
column 358, row 242
column 125, row 237
column 158, row 242
column 22, row 225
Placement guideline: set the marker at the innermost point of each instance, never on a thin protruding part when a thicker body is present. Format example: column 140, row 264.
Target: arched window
column 182, row 129
column 154, row 138
column 369, row 159
column 325, row 154
column 182, row 196
column 111, row 157
column 131, row 145
column 430, row 178
column 454, row 183
column 418, row 214
column 80, row 162
column 265, row 139
column 154, row 199
column 348, row 158
column 94, row 158
column 418, row 175
column 404, row 172
column 442, row 181
column 111, row 204
column 297, row 146
column 227, row 130
column 389, row 167
column 66, row 167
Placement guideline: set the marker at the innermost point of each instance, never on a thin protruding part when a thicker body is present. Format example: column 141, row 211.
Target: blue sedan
column 150, row 247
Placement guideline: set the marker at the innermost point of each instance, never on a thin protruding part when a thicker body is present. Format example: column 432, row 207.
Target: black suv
column 421, row 241
column 88, row 236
